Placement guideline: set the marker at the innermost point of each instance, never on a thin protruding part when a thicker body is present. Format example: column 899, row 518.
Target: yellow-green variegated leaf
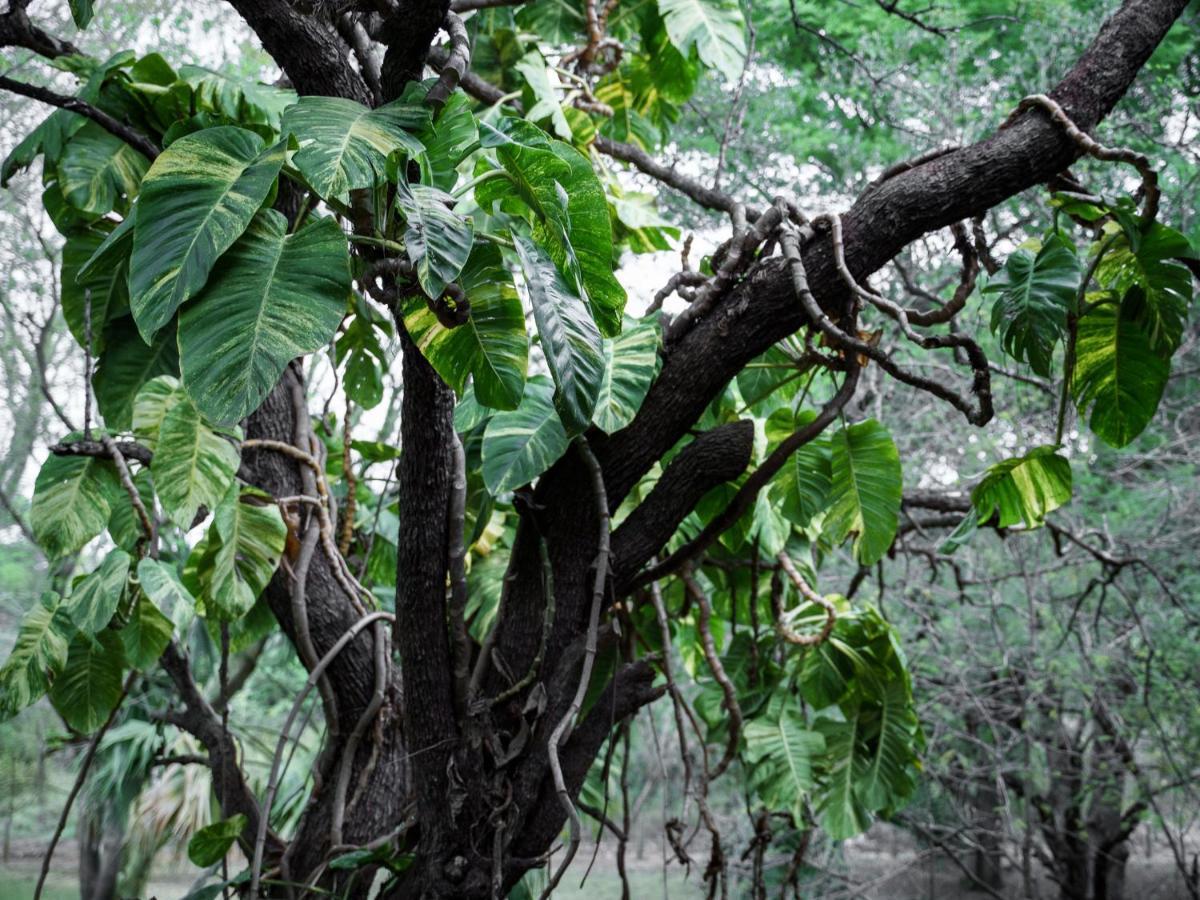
column 96, row 596
column 570, row 339
column 274, row 296
column 866, row 490
column 249, row 536
column 522, row 444
column 715, row 28
column 97, row 168
column 150, row 406
column 438, row 239
column 344, row 145
column 39, row 654
column 631, row 362
column 71, row 499
column 127, row 364
column 1023, row 489
column 146, row 634
column 491, row 346
column 193, row 465
column 196, row 200
column 89, row 686
column 161, row 584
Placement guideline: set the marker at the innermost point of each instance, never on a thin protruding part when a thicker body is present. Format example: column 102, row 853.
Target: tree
column 546, row 539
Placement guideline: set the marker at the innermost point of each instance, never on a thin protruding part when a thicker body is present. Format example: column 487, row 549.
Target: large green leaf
column 146, row 634
column 438, row 240
column 81, row 12
column 156, row 397
column 193, row 465
column 96, row 596
column 127, row 364
column 344, row 146
column 124, row 524
column 196, row 200
column 71, row 498
column 97, row 168
column 842, row 813
column 631, row 362
column 39, row 654
column 1023, row 489
column 1118, row 373
column 274, row 296
column 803, row 486
column 237, row 99
column 491, row 346
column 522, row 444
column 447, row 140
column 108, row 286
column 209, row 845
column 1035, row 294
column 890, row 727
column 866, row 488
column 570, row 340
column 249, row 535
column 163, row 587
column 89, row 686
column 1165, row 285
column 781, row 750
column 715, row 28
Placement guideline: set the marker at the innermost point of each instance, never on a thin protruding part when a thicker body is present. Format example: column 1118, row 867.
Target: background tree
column 220, row 230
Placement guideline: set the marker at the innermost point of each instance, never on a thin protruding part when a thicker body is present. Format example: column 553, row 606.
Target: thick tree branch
column 17, row 31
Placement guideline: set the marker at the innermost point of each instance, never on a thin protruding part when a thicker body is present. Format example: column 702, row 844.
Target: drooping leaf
column 237, row 99
column 81, row 12
column 146, row 634
column 249, row 534
column 196, row 200
column 803, row 486
column 1035, row 295
column 1023, row 489
column 448, row 139
column 96, row 597
column 274, row 296
column 781, row 751
column 97, row 168
column 542, row 92
column 866, row 490
column 127, row 364
column 842, row 813
column 155, row 398
column 631, row 362
column 889, row 726
column 344, row 145
column 438, row 240
column 491, row 346
column 71, row 499
column 106, row 286
column 193, row 466
column 39, row 654
column 1165, row 286
column 715, row 28
column 522, row 444
column 570, row 339
column 209, row 845
column 124, row 524
column 1118, row 374
column 163, row 587
column 89, row 686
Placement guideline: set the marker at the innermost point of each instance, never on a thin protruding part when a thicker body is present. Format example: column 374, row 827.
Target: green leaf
column 113, row 252
column 715, row 28
column 127, row 364
column 780, row 751
column 438, row 240
column 124, row 526
column 196, row 200
column 274, row 296
column 193, row 466
column 250, row 535
column 344, row 146
column 491, row 346
column 89, row 686
column 39, row 654
column 209, row 845
column 571, row 342
column 1035, row 294
column 146, row 634
column 1023, row 489
column 1165, row 286
column 108, row 285
column 631, row 362
column 150, row 407
column 866, row 489
column 891, row 726
column 237, row 99
column 97, row 168
column 163, row 587
column 448, row 139
column 1118, row 373
column 804, row 484
column 81, row 12
column 533, row 68
column 95, row 597
column 842, row 813
column 71, row 502
column 522, row 444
